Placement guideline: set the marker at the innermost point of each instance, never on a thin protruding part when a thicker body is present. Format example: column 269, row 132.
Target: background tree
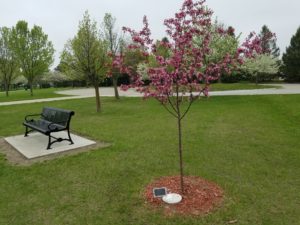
column 86, row 55
column 54, row 78
column 9, row 68
column 261, row 64
column 142, row 70
column 115, row 42
column 132, row 58
column 33, row 50
column 221, row 44
column 179, row 80
column 268, row 42
column 161, row 49
column 73, row 75
column 291, row 59
column 223, row 41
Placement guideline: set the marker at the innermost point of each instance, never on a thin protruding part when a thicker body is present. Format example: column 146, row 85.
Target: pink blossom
column 185, row 69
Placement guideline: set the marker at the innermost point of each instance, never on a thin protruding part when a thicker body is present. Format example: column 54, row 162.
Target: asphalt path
column 109, row 92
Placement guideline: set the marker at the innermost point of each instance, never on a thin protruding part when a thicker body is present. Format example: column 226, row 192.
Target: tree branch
column 172, row 113
column 188, row 108
column 171, row 103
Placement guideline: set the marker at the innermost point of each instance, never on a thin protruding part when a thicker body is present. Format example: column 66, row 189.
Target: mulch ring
column 200, row 196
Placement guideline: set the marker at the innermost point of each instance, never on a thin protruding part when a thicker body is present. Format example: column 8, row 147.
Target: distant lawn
column 238, row 86
column 249, row 145
column 25, row 95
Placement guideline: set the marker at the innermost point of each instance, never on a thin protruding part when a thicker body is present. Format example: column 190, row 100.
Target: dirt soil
column 200, row 196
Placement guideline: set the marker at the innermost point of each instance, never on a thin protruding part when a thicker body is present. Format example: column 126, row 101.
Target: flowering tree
column 179, row 78
column 262, row 64
column 220, row 45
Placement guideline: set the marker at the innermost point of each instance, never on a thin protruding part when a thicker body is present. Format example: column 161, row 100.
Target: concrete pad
column 35, row 144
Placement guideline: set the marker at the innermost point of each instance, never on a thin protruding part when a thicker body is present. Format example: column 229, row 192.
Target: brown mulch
column 200, row 196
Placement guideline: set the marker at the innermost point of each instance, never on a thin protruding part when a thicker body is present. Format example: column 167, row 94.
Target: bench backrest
column 58, row 116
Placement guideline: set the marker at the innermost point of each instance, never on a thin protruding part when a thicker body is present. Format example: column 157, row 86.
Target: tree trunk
column 6, row 87
column 220, row 79
column 98, row 103
column 180, row 153
column 115, row 83
column 179, row 138
column 30, row 86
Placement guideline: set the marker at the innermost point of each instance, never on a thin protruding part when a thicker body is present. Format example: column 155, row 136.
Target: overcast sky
column 59, row 18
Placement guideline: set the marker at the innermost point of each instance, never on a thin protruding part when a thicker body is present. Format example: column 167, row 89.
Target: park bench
column 51, row 120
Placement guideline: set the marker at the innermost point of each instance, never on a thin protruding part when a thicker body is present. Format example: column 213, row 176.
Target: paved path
column 109, row 92
column 39, row 100
column 76, row 94
column 104, row 91
column 284, row 90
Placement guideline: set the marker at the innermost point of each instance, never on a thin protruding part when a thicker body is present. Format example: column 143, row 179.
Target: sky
column 59, row 18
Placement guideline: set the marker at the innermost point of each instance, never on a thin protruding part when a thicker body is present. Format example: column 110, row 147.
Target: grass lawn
column 238, row 86
column 249, row 145
column 25, row 95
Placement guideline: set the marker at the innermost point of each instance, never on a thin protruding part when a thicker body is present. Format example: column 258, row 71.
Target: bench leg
column 49, row 142
column 58, row 140
column 26, row 132
column 70, row 139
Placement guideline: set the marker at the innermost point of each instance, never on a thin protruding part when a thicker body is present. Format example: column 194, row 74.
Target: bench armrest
column 56, row 123
column 49, row 127
column 32, row 115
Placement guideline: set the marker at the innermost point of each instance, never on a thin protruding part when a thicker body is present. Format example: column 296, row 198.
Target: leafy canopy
column 86, row 53
column 263, row 63
column 34, row 51
column 9, row 68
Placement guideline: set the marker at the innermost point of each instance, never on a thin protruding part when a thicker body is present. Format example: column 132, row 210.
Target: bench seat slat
column 42, row 126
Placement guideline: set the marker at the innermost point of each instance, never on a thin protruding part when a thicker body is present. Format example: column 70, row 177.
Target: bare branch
column 172, row 113
column 171, row 103
column 192, row 99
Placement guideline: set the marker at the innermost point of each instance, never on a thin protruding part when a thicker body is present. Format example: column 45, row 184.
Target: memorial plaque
column 159, row 192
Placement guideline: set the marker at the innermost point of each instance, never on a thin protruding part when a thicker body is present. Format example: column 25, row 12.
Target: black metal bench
column 51, row 120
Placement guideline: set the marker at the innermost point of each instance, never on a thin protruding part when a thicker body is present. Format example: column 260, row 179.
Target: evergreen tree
column 268, row 42
column 291, row 59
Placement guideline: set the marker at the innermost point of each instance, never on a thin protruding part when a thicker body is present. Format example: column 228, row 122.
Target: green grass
column 25, row 95
column 249, row 145
column 238, row 86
